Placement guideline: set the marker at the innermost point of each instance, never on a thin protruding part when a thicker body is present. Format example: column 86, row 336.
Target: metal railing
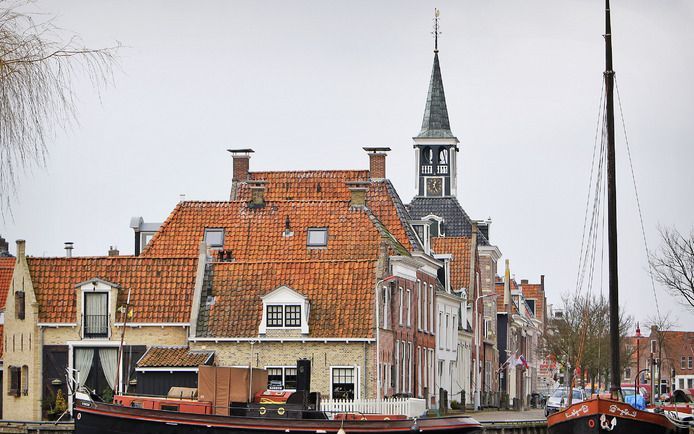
column 95, row 326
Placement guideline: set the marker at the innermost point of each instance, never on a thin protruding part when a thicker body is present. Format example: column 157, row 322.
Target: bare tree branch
column 673, row 264
column 37, row 71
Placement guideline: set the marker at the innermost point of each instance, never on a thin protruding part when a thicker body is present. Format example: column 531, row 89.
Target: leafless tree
column 37, row 69
column 673, row 264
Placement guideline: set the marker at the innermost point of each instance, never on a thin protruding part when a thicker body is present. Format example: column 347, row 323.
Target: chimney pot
column 241, row 159
column 377, row 162
column 69, row 245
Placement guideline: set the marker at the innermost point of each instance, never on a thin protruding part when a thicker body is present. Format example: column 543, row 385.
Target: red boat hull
column 100, row 418
column 600, row 415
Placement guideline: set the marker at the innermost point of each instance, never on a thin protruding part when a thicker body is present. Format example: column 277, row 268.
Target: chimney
column 113, row 251
column 524, row 281
column 377, row 162
column 542, row 282
column 68, row 249
column 241, row 159
column 257, row 194
column 357, row 191
column 21, row 249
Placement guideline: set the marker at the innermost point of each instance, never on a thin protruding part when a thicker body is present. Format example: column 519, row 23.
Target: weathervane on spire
column 436, row 30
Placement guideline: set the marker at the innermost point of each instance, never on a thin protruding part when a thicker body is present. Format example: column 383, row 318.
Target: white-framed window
column 654, row 346
column 409, row 367
column 401, row 305
column 386, row 306
column 419, row 304
column 317, row 237
column 284, row 315
column 432, row 305
column 439, row 334
column 281, row 377
column 396, row 373
column 425, row 309
column 627, row 373
column 436, row 226
column 689, row 383
column 448, row 332
column 403, row 366
column 409, row 308
column 344, row 382
column 214, row 238
column 691, row 362
column 284, row 308
column 683, row 362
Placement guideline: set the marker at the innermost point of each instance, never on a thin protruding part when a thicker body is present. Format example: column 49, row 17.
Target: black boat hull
column 99, row 418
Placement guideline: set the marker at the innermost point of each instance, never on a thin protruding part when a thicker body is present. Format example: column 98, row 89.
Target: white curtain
column 96, row 311
column 109, row 361
column 83, row 363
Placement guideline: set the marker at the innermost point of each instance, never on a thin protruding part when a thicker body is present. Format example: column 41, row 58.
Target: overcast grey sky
column 307, row 84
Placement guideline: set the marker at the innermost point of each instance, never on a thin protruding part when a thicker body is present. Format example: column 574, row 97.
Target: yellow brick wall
column 323, row 356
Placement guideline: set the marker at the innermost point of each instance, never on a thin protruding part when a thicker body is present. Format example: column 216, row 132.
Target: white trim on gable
column 284, row 296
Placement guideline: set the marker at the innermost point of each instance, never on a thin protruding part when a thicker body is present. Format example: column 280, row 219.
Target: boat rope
column 638, row 202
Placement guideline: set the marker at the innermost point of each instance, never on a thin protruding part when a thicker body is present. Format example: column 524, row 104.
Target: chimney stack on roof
column 113, row 251
column 542, row 282
column 241, row 159
column 377, row 162
column 21, row 249
column 257, row 194
column 524, row 281
column 358, row 193
column 69, row 245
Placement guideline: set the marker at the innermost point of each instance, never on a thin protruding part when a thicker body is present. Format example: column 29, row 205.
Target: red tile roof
column 6, row 270
column 304, row 185
column 174, row 357
column 534, row 291
column 460, row 248
column 259, row 234
column 340, row 294
column 161, row 289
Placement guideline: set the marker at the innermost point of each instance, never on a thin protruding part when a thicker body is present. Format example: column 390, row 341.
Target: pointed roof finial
column 436, row 30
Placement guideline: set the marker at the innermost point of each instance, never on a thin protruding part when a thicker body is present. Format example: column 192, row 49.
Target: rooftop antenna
column 436, row 30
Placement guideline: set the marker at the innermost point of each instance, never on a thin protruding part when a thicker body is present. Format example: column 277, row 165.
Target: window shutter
column 19, row 304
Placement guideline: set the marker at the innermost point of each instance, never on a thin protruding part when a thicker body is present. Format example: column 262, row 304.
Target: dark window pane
column 274, row 316
column 292, row 316
column 343, row 383
column 290, row 378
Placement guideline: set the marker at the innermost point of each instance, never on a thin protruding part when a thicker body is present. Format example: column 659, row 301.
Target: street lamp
column 477, row 355
column 378, row 328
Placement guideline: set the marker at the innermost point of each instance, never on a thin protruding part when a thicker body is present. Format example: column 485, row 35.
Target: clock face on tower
column 434, row 187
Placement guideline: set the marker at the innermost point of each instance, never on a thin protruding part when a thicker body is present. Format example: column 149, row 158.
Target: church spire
column 435, row 122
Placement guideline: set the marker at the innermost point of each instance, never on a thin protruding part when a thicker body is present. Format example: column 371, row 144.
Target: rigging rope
column 638, row 203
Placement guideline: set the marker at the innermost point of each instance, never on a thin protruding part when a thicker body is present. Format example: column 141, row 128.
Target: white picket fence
column 410, row 407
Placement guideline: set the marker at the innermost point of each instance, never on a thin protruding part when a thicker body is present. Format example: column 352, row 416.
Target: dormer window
column 421, row 229
column 437, row 226
column 284, row 308
column 97, row 298
column 214, row 237
column 288, row 315
column 317, row 237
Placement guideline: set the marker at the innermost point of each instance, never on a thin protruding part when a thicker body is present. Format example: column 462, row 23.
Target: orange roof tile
column 6, row 270
column 304, row 185
column 259, row 234
column 460, row 248
column 161, row 289
column 534, row 291
column 169, row 357
column 340, row 294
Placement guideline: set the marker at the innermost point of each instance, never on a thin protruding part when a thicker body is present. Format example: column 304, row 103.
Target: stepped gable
column 161, row 288
column 340, row 294
column 174, row 357
column 277, row 231
column 460, row 248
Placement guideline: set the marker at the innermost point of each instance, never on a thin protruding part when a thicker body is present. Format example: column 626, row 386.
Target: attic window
column 317, row 237
column 214, row 237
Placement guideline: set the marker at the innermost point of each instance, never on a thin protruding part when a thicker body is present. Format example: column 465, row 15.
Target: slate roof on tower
column 435, row 122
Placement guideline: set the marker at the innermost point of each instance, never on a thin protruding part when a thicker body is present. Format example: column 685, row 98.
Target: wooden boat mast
column 611, row 210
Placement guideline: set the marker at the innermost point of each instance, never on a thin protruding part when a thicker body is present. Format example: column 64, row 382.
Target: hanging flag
column 523, row 361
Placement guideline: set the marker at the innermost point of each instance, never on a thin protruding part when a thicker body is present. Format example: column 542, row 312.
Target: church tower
column 435, row 146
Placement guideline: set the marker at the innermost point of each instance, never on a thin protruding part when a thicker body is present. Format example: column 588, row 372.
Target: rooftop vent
column 69, row 245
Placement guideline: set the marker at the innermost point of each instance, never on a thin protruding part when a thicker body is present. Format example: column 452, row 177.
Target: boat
column 600, row 413
column 235, row 400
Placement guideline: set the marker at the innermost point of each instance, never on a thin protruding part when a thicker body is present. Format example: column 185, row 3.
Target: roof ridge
column 75, row 258
column 311, row 171
column 296, row 261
